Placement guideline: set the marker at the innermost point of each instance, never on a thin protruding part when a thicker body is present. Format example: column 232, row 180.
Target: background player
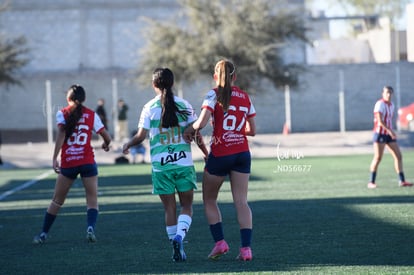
column 384, row 136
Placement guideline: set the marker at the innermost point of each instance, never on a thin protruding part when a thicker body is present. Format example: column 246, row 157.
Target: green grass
column 319, row 221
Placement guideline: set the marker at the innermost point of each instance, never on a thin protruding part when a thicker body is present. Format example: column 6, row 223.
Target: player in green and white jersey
column 164, row 119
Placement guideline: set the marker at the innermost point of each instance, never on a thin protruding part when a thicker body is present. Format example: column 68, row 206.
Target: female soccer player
column 165, row 117
column 233, row 119
column 75, row 125
column 385, row 136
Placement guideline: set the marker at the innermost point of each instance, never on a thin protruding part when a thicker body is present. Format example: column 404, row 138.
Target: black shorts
column 221, row 166
column 85, row 171
column 382, row 138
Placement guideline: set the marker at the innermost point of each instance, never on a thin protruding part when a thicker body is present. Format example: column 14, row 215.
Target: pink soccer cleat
column 245, row 254
column 219, row 249
column 405, row 184
column 372, row 185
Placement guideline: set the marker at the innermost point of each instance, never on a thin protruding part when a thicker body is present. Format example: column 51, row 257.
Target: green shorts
column 181, row 179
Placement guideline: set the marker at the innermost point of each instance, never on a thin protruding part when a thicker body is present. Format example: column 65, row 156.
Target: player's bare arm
column 382, row 124
column 135, row 140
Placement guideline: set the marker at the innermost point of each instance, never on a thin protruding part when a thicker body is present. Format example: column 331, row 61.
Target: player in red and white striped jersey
column 384, row 136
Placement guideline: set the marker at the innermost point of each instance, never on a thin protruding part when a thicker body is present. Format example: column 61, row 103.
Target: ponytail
column 76, row 94
column 163, row 79
column 169, row 109
column 224, row 71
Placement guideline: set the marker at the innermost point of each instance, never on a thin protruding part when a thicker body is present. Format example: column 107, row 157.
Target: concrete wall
column 78, row 34
column 314, row 104
column 91, row 42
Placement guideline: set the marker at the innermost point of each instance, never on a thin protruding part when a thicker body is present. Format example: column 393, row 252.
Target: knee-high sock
column 246, row 237
column 217, row 231
column 401, row 176
column 92, row 216
column 183, row 225
column 48, row 221
column 171, row 231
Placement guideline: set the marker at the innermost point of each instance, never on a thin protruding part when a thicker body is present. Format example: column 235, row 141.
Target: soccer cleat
column 178, row 249
column 404, row 184
column 90, row 235
column 245, row 254
column 39, row 239
column 372, row 185
column 219, row 249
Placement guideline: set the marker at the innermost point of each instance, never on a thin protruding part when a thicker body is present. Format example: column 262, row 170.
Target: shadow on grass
column 289, row 235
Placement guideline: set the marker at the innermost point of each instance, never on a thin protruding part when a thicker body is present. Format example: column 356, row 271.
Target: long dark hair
column 163, row 79
column 76, row 94
column 224, row 71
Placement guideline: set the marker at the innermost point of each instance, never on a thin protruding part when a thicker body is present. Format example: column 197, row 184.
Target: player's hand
column 188, row 134
column 125, row 149
column 56, row 166
column 105, row 146
column 392, row 134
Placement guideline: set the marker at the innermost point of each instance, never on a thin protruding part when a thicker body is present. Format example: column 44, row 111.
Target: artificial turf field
column 311, row 215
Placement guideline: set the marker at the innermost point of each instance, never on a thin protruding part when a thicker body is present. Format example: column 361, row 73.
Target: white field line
column 25, row 185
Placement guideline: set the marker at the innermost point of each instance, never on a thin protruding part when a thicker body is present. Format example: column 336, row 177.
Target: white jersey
column 386, row 109
column 167, row 145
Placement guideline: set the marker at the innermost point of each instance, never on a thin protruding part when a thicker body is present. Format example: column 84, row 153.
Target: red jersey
column 229, row 127
column 386, row 109
column 77, row 150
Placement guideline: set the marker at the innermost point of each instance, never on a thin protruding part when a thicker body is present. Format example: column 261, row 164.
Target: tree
column 251, row 33
column 12, row 57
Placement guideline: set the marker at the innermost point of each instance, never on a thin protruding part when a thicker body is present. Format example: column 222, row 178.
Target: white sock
column 183, row 225
column 171, row 231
